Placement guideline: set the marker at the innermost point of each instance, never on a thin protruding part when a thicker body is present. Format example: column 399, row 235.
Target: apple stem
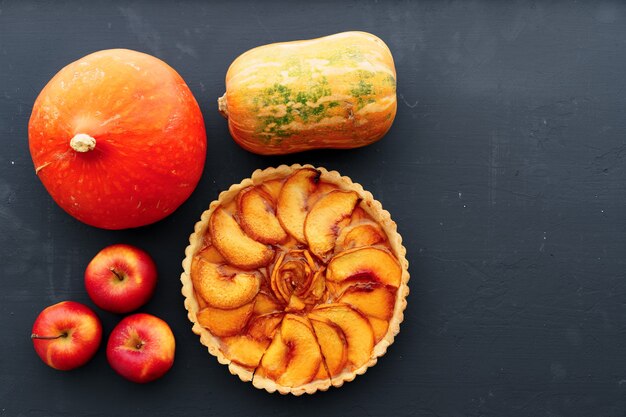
column 36, row 336
column 117, row 274
column 82, row 143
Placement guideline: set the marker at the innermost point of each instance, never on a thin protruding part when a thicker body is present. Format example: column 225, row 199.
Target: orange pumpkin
column 338, row 91
column 117, row 139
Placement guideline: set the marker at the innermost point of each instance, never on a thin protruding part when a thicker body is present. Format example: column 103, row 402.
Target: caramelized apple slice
column 265, row 304
column 200, row 300
column 263, row 327
column 326, row 218
column 305, row 355
column 225, row 322
column 238, row 248
column 372, row 299
column 292, row 206
column 293, row 358
column 247, row 349
column 257, row 217
column 358, row 215
column 272, row 188
column 244, row 350
column 368, row 264
column 322, row 372
column 275, row 359
column 295, row 304
column 332, row 343
column 380, row 328
column 357, row 236
column 210, row 254
column 375, row 301
column 220, row 289
column 356, row 328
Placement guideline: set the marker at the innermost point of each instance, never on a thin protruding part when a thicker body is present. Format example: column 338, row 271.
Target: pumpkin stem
column 82, row 143
column 222, row 106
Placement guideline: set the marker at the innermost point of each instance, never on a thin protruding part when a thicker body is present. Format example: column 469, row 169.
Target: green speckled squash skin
column 338, row 92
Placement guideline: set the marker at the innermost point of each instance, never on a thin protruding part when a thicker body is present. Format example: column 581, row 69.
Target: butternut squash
column 337, row 91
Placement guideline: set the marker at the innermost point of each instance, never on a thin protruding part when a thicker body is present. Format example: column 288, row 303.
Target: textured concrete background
column 505, row 171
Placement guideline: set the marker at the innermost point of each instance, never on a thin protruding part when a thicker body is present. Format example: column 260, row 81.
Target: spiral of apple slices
column 296, row 278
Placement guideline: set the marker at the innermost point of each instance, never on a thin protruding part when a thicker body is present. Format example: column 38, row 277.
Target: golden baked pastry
column 296, row 278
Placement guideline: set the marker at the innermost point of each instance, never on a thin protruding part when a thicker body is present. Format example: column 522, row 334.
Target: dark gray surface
column 504, row 171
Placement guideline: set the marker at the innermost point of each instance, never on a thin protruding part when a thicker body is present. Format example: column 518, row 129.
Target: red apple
column 121, row 278
column 141, row 348
column 66, row 335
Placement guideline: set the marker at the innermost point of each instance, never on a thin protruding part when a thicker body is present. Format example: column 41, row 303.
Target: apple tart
column 296, row 278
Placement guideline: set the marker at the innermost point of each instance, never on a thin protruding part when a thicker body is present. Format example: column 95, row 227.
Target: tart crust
column 377, row 213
